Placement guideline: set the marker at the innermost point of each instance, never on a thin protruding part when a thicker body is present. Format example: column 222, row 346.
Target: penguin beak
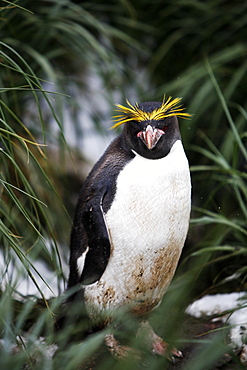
column 150, row 136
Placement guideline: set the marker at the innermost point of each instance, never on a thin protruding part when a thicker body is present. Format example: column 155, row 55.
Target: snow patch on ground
column 40, row 349
column 13, row 273
column 210, row 305
column 218, row 304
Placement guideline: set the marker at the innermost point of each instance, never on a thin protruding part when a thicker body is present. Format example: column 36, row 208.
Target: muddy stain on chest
column 149, row 278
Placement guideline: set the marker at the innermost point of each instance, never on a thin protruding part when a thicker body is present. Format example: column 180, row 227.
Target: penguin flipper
column 90, row 241
column 98, row 252
column 90, row 244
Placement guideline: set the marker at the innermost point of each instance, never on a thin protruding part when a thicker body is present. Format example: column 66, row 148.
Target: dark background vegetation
column 62, row 58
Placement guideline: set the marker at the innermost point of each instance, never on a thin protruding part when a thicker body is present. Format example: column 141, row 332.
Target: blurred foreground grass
column 49, row 51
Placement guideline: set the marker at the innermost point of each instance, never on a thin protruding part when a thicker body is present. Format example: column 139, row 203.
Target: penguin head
column 151, row 128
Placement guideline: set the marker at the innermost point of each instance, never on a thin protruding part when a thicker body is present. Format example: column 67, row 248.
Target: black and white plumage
column 133, row 213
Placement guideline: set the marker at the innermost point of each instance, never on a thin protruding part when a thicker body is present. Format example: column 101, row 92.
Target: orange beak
column 150, row 136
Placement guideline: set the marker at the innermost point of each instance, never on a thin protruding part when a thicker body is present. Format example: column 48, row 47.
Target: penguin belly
column 147, row 225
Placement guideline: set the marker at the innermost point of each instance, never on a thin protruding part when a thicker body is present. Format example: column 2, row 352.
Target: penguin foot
column 159, row 347
column 156, row 343
column 117, row 350
column 152, row 342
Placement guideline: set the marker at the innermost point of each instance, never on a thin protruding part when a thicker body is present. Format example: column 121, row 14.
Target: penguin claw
column 161, row 348
column 174, row 355
column 177, row 353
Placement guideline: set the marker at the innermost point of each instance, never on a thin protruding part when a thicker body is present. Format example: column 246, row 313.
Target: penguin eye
column 162, row 125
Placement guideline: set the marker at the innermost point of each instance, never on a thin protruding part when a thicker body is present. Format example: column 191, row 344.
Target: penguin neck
column 152, row 159
column 153, row 154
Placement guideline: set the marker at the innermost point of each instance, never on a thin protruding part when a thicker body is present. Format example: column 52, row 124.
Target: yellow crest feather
column 168, row 108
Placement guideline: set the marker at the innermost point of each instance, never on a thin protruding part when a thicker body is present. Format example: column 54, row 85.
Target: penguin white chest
column 147, row 224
